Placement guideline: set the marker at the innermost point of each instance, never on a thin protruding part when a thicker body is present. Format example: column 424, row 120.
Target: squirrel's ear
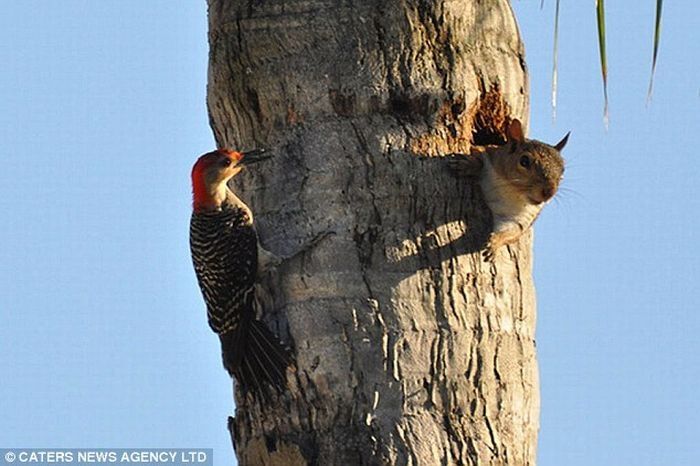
column 515, row 131
column 560, row 145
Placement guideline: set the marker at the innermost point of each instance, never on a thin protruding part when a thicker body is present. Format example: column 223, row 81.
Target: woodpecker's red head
column 212, row 171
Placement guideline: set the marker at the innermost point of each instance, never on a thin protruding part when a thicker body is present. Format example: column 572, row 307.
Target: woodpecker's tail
column 256, row 358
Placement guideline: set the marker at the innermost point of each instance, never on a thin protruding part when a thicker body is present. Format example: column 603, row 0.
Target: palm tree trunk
column 411, row 349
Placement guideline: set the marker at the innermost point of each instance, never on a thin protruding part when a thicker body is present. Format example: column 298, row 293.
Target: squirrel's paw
column 495, row 241
column 489, row 251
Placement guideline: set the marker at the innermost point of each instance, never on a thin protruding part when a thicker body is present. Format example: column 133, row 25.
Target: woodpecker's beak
column 253, row 156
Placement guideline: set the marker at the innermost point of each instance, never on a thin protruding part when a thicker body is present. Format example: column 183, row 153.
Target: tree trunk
column 411, row 349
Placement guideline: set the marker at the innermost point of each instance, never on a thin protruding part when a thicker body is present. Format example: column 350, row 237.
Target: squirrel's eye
column 525, row 161
column 225, row 162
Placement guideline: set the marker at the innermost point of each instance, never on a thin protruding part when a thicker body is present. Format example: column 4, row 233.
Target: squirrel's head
column 533, row 168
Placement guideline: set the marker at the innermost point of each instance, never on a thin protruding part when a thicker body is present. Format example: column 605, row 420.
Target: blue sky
column 102, row 330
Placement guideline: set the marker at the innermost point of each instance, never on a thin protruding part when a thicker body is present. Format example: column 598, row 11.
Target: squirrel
column 517, row 179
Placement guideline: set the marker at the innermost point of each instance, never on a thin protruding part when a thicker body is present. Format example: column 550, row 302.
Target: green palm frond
column 657, row 36
column 600, row 16
column 600, row 12
column 555, row 61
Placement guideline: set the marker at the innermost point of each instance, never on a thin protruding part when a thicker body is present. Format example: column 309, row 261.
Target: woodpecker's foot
column 308, row 246
column 268, row 261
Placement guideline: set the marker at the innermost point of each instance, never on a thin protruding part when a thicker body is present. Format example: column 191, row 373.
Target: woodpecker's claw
column 310, row 245
column 318, row 238
column 268, row 261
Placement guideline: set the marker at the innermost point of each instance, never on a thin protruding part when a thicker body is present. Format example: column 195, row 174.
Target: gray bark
column 411, row 349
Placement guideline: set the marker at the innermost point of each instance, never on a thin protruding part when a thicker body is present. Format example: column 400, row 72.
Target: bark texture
column 410, row 348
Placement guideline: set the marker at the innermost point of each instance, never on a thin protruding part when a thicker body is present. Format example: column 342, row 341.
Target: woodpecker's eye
column 225, row 162
column 525, row 161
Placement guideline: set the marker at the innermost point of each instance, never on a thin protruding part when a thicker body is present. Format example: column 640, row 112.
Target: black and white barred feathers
column 224, row 250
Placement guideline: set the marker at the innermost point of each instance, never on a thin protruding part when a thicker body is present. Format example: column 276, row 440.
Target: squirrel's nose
column 547, row 192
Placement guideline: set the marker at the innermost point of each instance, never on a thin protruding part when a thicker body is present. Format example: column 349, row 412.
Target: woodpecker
column 225, row 249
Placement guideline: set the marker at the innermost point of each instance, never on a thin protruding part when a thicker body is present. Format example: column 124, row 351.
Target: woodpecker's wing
column 225, row 258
